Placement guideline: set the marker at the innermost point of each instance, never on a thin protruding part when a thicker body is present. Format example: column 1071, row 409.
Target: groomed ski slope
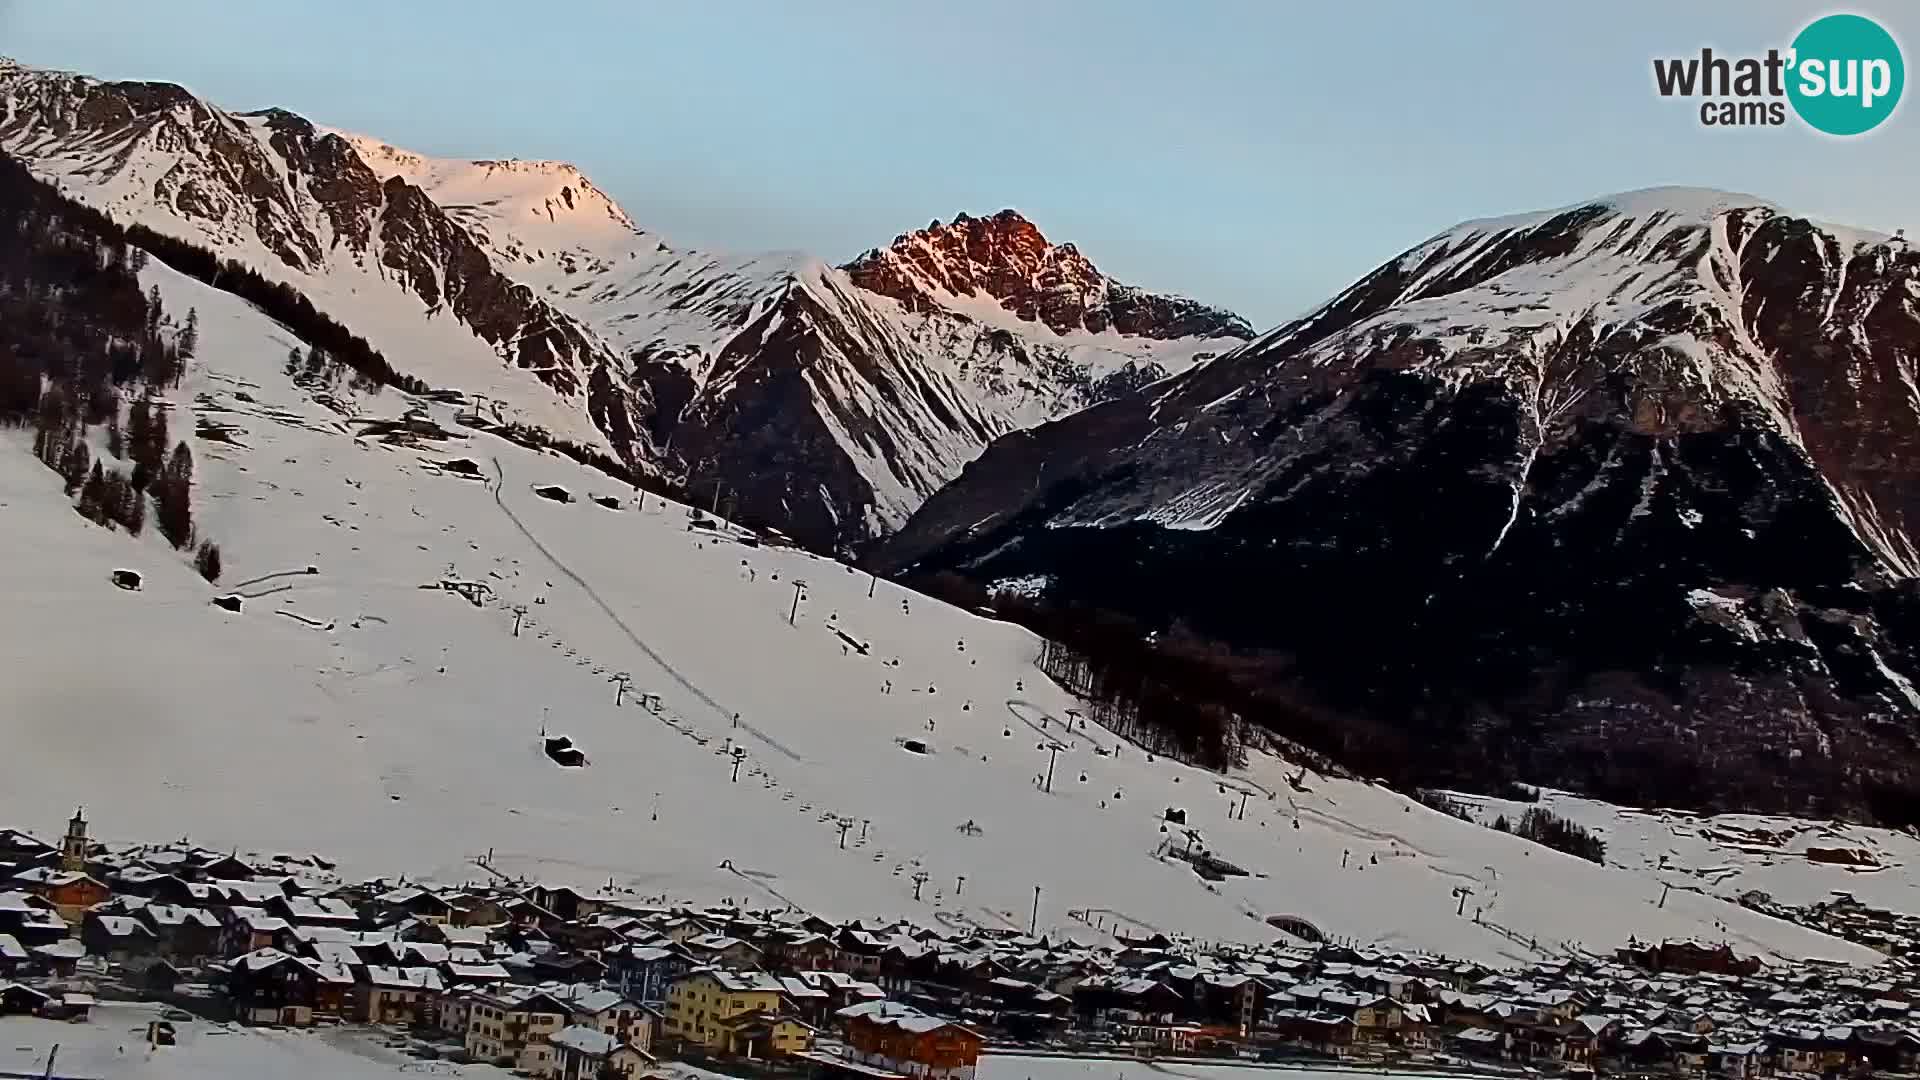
column 319, row 719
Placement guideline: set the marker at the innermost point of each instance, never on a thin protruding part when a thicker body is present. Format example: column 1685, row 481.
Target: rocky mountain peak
column 1005, row 258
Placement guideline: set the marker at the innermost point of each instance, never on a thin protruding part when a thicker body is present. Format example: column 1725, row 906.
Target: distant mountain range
column 1622, row 496
column 832, row 401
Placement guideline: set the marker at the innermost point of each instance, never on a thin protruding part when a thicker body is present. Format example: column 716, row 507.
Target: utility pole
column 919, row 879
column 716, row 498
column 740, row 755
column 620, row 682
column 799, row 589
column 873, row 581
column 519, row 612
column 844, row 824
column 1033, row 923
column 1053, row 754
column 960, row 884
column 864, row 822
column 1665, row 888
column 1243, row 804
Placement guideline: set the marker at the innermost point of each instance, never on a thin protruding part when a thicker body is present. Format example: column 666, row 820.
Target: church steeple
column 73, row 848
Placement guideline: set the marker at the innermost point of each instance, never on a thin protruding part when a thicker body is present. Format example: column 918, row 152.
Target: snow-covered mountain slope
column 1622, row 497
column 522, row 283
column 396, row 727
column 300, row 207
column 831, row 401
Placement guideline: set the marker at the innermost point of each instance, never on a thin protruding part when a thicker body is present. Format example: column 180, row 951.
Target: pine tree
column 207, row 560
column 116, row 441
column 93, row 495
column 134, row 514
column 173, row 498
column 293, row 362
column 190, row 337
column 74, row 466
column 149, row 447
column 153, row 309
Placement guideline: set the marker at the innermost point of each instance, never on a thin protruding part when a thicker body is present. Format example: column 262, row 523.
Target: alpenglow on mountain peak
column 1007, row 259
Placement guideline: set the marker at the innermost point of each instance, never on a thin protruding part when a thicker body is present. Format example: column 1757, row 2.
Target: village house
column 186, row 934
column 313, row 911
column 510, row 1026
column 586, row 1053
column 22, row 851
column 904, row 1040
column 13, row 956
column 71, row 892
column 273, row 987
column 29, row 919
column 1323, row 1032
column 412, row 902
column 20, row 1000
column 611, row 1012
column 118, row 938
column 734, row 1014
column 644, row 972
column 1105, row 1000
column 249, row 929
column 719, row 950
column 397, row 995
column 795, row 951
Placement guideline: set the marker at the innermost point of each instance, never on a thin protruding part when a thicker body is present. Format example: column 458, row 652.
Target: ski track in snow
column 500, row 483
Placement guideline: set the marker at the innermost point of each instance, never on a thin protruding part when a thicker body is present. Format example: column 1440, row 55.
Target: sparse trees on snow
column 173, row 497
column 207, row 560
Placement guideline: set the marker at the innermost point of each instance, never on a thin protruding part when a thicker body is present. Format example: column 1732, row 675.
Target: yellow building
column 511, row 1027
column 734, row 1014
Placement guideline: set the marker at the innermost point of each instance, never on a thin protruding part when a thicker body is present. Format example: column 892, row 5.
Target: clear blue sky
column 1257, row 154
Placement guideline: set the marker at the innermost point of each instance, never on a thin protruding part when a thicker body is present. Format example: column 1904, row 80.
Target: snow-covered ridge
column 524, row 284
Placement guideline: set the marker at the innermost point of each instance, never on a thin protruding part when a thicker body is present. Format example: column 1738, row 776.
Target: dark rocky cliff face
column 1654, row 543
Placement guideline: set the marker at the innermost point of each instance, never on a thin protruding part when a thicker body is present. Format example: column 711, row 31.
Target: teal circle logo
column 1847, row 74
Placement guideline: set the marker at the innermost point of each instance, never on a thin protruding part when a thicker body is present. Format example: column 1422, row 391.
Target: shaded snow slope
column 320, row 717
column 1621, row 497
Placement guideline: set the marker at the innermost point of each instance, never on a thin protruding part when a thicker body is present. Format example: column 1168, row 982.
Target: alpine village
column 552, row 982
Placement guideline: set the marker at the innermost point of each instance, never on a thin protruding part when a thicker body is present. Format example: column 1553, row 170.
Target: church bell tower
column 73, row 847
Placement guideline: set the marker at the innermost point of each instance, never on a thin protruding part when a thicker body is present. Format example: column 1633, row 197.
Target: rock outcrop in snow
column 1622, row 496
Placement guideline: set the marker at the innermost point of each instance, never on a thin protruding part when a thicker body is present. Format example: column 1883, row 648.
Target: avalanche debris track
column 731, row 716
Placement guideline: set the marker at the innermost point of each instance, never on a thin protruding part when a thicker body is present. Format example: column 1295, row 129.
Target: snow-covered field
column 396, row 728
column 1731, row 854
column 1016, row 1067
column 112, row 1045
